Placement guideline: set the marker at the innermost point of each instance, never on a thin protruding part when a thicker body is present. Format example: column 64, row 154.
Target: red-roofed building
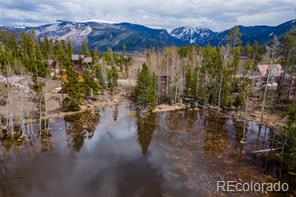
column 271, row 71
column 275, row 70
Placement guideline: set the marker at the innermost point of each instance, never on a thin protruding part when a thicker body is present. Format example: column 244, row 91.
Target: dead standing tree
column 176, row 75
column 9, row 105
column 271, row 52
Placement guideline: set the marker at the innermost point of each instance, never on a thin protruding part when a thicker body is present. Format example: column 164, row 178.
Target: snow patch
column 191, row 34
column 62, row 30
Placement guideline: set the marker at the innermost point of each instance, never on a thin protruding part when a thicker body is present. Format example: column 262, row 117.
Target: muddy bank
column 106, row 100
column 272, row 120
column 23, row 106
column 167, row 108
column 24, row 103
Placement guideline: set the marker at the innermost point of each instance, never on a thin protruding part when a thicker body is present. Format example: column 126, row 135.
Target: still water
column 119, row 152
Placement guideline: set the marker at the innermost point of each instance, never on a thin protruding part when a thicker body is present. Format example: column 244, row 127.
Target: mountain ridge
column 134, row 37
column 193, row 35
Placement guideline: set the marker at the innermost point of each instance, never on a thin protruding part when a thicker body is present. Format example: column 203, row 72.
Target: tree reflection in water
column 81, row 126
column 146, row 127
column 216, row 140
column 115, row 113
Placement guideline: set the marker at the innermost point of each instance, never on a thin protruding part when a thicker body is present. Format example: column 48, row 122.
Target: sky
column 217, row 15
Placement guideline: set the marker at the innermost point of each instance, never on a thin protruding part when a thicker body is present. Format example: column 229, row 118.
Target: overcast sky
column 215, row 14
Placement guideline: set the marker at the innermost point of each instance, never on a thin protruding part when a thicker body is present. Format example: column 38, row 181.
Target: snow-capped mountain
column 204, row 36
column 133, row 37
column 76, row 33
column 193, row 35
column 101, row 35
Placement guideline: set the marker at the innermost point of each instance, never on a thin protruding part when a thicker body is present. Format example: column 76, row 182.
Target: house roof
column 276, row 69
column 79, row 69
column 50, row 62
column 76, row 57
column 263, row 69
column 87, row 60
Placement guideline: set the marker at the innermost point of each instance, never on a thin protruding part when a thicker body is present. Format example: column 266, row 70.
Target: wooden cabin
column 81, row 59
column 164, row 80
column 87, row 60
column 79, row 70
column 76, row 58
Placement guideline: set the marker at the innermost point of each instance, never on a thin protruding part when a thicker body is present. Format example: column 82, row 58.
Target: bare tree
column 271, row 51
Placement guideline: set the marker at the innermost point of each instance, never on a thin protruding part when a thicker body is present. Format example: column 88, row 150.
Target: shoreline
column 122, row 99
column 109, row 99
column 116, row 99
column 272, row 121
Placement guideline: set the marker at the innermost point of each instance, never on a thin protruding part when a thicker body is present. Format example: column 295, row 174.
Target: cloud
column 215, row 14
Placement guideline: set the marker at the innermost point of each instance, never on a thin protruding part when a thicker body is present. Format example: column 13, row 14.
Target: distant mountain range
column 204, row 36
column 132, row 37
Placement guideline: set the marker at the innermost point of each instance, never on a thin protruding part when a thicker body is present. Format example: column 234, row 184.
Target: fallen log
column 266, row 150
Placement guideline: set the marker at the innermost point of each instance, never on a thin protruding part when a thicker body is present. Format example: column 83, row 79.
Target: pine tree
column 73, row 89
column 6, row 58
column 234, row 40
column 94, row 55
column 40, row 64
column 69, row 49
column 145, row 91
column 85, row 50
column 242, row 89
column 46, row 48
column 234, row 37
column 112, row 77
column 290, row 48
column 89, row 85
column 99, row 75
column 213, row 72
column 63, row 56
column 191, row 80
column 291, row 135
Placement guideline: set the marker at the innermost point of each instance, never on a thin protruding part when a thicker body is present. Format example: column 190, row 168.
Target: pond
column 120, row 152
